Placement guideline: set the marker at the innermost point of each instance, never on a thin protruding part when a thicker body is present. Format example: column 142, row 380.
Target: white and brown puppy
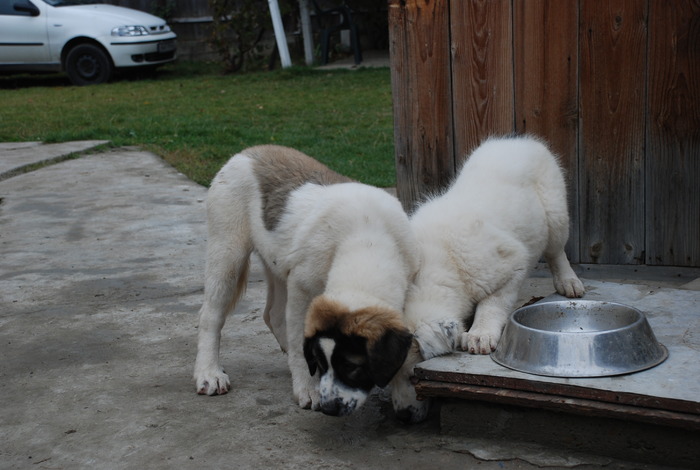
column 338, row 258
column 479, row 240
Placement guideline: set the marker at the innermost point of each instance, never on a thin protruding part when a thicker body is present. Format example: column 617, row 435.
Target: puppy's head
column 352, row 351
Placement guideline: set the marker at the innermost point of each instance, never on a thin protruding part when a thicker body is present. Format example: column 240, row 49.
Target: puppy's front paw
column 213, row 381
column 306, row 393
column 480, row 341
column 571, row 287
column 438, row 337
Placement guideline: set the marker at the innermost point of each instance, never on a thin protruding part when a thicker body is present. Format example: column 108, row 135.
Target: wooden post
column 673, row 134
column 482, row 71
column 419, row 48
column 613, row 102
column 546, row 87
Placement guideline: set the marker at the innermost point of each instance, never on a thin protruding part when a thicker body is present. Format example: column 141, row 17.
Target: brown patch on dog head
column 323, row 314
column 370, row 322
column 280, row 170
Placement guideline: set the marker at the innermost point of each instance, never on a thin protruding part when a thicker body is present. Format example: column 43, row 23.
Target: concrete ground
column 100, row 283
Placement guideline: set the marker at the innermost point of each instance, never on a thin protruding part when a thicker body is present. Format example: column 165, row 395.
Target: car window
column 7, row 7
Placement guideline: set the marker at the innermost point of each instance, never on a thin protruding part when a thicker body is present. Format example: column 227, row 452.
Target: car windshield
column 70, row 3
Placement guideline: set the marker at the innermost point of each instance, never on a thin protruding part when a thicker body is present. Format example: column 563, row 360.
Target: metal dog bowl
column 582, row 338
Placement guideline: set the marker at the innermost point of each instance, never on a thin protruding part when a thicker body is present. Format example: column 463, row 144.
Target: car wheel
column 88, row 65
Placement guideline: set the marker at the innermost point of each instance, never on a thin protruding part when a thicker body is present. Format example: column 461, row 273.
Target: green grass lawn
column 196, row 118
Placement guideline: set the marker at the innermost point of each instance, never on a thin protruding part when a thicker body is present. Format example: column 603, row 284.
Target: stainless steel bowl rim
column 640, row 319
column 559, row 353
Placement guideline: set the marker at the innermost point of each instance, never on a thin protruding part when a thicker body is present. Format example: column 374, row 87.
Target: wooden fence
column 612, row 85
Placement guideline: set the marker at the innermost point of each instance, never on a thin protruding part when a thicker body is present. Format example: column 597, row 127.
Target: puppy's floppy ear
column 309, row 354
column 387, row 355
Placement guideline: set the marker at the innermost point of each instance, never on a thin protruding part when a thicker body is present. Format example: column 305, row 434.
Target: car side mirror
column 25, row 6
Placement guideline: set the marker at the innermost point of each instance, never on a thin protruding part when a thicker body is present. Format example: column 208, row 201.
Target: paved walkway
column 101, row 261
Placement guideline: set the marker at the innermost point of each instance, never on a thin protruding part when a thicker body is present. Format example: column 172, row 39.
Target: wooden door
column 613, row 86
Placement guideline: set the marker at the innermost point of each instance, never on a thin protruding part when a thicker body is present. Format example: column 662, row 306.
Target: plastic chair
column 343, row 12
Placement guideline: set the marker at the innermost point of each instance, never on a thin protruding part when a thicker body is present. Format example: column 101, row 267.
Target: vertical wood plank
column 420, row 64
column 612, row 106
column 673, row 133
column 546, row 87
column 482, row 71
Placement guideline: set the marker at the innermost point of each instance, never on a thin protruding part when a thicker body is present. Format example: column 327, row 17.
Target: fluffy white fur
column 478, row 240
column 348, row 241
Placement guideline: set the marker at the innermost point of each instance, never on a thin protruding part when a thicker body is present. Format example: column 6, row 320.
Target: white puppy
column 479, row 240
column 338, row 256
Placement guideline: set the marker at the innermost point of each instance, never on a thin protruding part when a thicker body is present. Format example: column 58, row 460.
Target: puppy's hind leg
column 552, row 193
column 222, row 289
column 565, row 280
column 228, row 256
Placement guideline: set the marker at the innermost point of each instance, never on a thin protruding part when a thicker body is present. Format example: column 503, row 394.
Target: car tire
column 87, row 64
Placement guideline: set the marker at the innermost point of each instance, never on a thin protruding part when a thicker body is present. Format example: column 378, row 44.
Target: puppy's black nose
column 405, row 416
column 338, row 407
column 330, row 408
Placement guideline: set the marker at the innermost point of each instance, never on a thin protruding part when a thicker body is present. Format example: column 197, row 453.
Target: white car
column 88, row 41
